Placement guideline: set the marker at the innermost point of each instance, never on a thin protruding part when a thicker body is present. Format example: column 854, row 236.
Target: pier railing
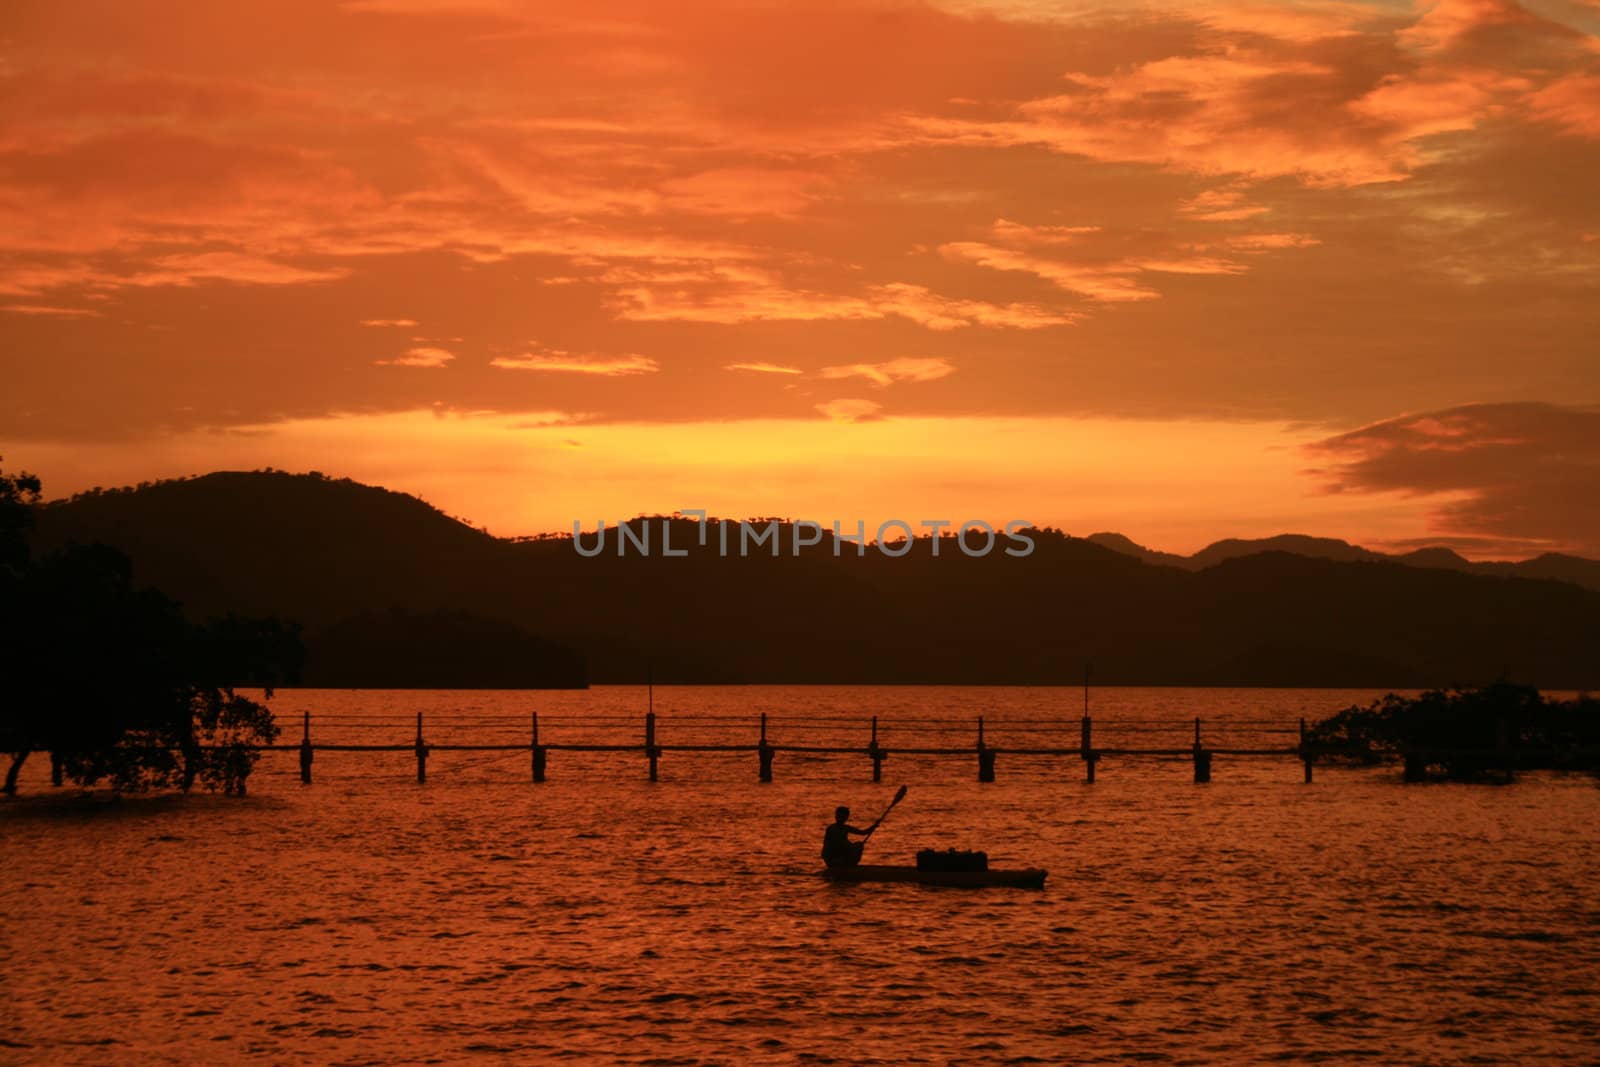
column 875, row 739
column 987, row 741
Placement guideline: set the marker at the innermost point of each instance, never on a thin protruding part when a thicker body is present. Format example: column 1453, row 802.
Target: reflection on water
column 364, row 919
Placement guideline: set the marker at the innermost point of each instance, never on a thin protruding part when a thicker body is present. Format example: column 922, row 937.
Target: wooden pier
column 986, row 756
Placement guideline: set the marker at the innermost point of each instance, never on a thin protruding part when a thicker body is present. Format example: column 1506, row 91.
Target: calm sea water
column 481, row 918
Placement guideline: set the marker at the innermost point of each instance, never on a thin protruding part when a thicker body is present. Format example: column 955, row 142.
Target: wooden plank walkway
column 986, row 754
column 1198, row 753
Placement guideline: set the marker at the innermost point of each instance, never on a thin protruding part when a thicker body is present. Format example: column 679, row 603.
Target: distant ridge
column 342, row 558
column 1118, row 543
column 1552, row 565
column 381, row 579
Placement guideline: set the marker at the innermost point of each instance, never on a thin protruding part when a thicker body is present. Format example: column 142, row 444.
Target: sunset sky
column 1185, row 269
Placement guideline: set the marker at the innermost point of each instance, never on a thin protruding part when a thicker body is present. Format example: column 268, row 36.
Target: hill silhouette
column 1551, row 565
column 380, row 580
column 337, row 556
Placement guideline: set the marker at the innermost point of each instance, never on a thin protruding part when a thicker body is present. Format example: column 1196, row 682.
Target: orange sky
column 1185, row 270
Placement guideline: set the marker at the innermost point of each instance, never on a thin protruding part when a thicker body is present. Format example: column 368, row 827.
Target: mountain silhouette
column 1119, row 543
column 346, row 560
column 1551, row 565
column 380, row 580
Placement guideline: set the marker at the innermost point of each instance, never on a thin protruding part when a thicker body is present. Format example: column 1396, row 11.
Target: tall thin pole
column 305, row 749
column 538, row 750
column 422, row 754
column 650, row 748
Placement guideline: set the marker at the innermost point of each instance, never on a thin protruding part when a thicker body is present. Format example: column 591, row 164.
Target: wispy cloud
column 432, row 358
column 935, row 312
column 734, row 296
column 1360, row 115
column 1113, row 266
column 388, row 322
column 555, row 360
column 48, row 310
column 895, row 370
column 1515, row 471
column 1221, row 204
column 764, row 368
column 1270, row 242
column 850, row 409
column 1571, row 103
column 177, row 269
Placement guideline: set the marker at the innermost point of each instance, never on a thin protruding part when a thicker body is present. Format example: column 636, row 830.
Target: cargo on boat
column 1028, row 878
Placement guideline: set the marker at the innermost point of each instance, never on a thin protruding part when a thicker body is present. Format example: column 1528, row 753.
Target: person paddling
column 837, row 848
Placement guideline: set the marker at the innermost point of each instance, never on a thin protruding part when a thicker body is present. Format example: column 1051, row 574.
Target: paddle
column 898, row 797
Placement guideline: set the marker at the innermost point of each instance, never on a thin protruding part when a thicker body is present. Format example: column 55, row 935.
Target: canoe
column 1031, row 878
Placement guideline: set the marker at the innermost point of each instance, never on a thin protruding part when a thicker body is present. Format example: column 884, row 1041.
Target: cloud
column 179, row 269
column 731, row 297
column 1199, row 188
column 388, row 322
column 1337, row 97
column 43, row 95
column 191, row 269
column 49, row 311
column 896, row 370
column 1285, row 22
column 551, row 359
column 851, row 409
column 1221, row 204
column 420, row 357
column 1571, row 103
column 1527, row 473
column 738, row 294
column 1268, row 242
column 763, row 368
column 743, row 192
column 1105, row 283
column 543, row 419
column 1108, row 266
column 936, row 312
column 504, row 8
column 1450, row 23
column 1410, row 107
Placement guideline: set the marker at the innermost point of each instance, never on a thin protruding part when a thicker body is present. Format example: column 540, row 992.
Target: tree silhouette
column 1467, row 733
column 19, row 495
column 113, row 680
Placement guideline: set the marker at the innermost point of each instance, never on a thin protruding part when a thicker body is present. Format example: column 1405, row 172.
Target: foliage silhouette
column 19, row 497
column 114, row 681
column 1467, row 733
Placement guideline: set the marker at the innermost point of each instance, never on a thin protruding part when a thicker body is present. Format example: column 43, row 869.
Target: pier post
column 1202, row 758
column 422, row 754
column 878, row 755
column 764, row 750
column 55, row 768
column 650, row 748
column 1086, row 748
column 538, row 751
column 1305, row 751
column 305, row 749
column 985, row 756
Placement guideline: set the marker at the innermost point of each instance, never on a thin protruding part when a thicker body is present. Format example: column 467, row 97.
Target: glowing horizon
column 868, row 482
